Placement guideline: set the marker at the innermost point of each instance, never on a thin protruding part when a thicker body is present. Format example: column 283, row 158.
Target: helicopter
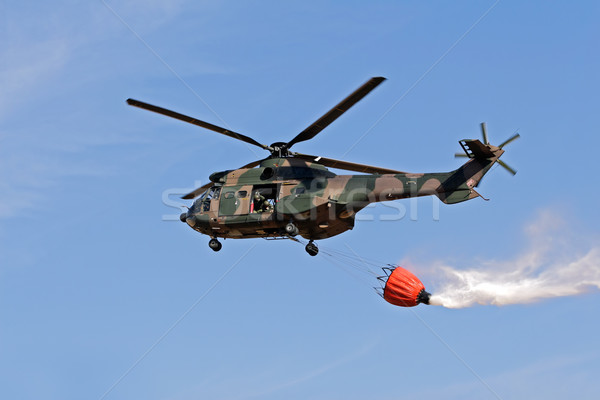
column 289, row 193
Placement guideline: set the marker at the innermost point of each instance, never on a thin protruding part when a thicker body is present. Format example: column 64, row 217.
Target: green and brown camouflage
column 321, row 203
column 304, row 197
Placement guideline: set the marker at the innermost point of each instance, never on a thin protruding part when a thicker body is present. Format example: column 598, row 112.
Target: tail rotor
column 484, row 133
column 510, row 139
column 487, row 143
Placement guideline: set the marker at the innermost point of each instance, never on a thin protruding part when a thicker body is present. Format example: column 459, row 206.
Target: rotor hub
column 279, row 150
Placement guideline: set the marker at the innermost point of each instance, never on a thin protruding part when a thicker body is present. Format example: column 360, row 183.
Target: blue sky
column 103, row 295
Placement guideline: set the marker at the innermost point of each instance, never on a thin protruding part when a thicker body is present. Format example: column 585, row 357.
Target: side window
column 299, row 190
column 229, row 195
column 212, row 194
column 242, row 194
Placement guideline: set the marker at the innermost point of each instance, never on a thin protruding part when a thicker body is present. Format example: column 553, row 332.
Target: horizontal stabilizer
column 475, row 149
column 457, row 196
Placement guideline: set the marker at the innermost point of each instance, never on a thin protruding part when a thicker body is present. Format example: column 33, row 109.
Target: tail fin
column 460, row 184
column 475, row 149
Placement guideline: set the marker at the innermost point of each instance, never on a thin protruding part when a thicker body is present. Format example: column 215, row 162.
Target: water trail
column 555, row 263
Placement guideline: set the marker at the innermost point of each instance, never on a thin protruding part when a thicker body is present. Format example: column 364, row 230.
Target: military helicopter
column 289, row 193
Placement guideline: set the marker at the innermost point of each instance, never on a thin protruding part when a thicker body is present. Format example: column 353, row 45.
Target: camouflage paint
column 321, row 203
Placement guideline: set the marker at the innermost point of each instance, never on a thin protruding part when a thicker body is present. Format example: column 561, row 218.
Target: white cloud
column 27, row 67
column 42, row 61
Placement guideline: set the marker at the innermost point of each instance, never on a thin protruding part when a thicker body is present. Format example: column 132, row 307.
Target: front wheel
column 214, row 244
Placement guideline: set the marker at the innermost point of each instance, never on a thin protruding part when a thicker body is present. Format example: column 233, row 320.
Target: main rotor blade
column 484, row 133
column 509, row 169
column 196, row 192
column 251, row 165
column 332, row 163
column 336, row 111
column 510, row 139
column 194, row 121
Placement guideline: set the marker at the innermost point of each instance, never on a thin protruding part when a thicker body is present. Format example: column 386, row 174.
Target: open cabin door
column 265, row 202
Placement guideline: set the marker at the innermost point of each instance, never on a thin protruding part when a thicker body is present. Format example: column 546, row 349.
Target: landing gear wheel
column 214, row 244
column 312, row 249
column 291, row 229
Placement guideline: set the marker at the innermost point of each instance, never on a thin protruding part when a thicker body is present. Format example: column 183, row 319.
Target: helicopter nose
column 183, row 216
column 188, row 218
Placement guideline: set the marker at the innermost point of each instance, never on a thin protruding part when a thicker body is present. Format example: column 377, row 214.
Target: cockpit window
column 212, row 193
column 203, row 201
